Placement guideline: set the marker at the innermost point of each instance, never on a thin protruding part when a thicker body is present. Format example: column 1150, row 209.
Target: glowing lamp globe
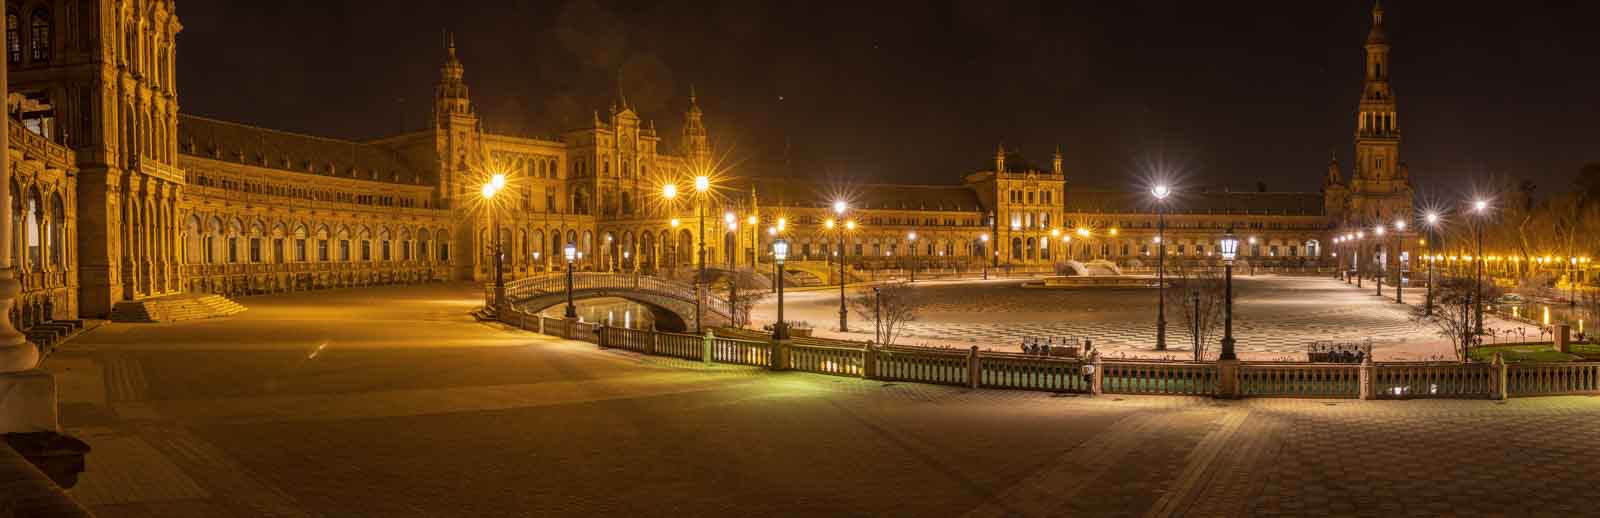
column 1230, row 245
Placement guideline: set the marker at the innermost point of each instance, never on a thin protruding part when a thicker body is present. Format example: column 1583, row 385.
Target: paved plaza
column 392, row 402
column 1275, row 318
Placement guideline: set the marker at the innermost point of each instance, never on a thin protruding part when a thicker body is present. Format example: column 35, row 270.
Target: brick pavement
column 417, row 421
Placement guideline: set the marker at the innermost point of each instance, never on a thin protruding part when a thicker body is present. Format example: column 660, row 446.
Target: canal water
column 612, row 311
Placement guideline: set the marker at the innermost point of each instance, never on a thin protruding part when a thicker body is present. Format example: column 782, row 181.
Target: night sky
column 1230, row 93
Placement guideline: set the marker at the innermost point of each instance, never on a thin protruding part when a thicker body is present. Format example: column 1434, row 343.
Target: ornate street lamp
column 780, row 251
column 1161, row 191
column 495, row 183
column 985, row 261
column 755, row 239
column 571, row 252
column 702, row 184
column 1399, row 262
column 844, row 324
column 1480, row 207
column 1230, row 247
column 912, row 238
column 1432, row 221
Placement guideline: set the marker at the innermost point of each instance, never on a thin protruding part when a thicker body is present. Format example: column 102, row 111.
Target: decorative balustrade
column 822, row 359
column 1431, row 380
column 680, row 345
column 929, row 366
column 974, row 368
column 741, row 352
column 1015, row 371
column 1170, row 378
column 1300, row 380
column 1531, row 379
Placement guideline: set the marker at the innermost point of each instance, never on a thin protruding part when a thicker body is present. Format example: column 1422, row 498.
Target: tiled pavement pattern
column 319, row 406
column 1276, row 317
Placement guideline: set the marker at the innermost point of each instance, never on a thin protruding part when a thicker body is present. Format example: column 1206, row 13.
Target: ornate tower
column 457, row 144
column 1056, row 162
column 1000, row 159
column 696, row 145
column 456, row 130
column 1380, row 190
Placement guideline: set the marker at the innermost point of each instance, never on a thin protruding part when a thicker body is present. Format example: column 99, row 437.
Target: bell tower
column 456, row 129
column 1380, row 190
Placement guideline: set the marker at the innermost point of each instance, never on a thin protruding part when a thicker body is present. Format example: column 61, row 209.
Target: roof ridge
column 272, row 130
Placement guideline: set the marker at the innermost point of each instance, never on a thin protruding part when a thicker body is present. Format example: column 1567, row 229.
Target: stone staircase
column 173, row 308
column 47, row 335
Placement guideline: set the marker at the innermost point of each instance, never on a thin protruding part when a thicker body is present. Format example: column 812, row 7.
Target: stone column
column 1228, row 379
column 27, row 393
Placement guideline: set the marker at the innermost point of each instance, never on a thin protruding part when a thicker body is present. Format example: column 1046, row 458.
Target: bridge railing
column 554, row 283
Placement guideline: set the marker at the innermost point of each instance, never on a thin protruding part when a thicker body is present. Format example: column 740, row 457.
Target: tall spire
column 1057, row 162
column 452, row 91
column 696, row 142
column 1000, row 159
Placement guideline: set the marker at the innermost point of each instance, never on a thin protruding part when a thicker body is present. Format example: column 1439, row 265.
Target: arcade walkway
column 391, row 402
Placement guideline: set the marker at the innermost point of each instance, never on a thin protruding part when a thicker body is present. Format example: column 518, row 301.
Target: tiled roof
column 1291, row 203
column 234, row 142
column 809, row 193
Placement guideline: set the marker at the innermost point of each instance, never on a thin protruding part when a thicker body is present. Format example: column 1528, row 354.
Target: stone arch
column 423, row 238
column 193, row 240
column 33, row 234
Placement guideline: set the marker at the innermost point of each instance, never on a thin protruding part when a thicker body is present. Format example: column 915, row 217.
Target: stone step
column 175, row 308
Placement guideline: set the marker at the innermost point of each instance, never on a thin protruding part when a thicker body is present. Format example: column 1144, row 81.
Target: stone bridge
column 671, row 303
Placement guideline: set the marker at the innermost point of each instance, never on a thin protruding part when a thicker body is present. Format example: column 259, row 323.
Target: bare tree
column 1194, row 286
column 893, row 305
column 742, row 302
column 1452, row 312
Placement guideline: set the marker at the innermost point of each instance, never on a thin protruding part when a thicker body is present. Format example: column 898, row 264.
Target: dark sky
column 1229, row 92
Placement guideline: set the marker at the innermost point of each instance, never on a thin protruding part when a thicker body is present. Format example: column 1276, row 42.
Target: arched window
column 13, row 38
column 58, row 232
column 39, row 35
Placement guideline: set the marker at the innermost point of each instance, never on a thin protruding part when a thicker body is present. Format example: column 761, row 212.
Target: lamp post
column 844, row 253
column 984, row 262
column 1432, row 221
column 571, row 252
column 732, row 225
column 1161, row 191
column 1400, row 264
column 1382, row 265
column 1480, row 207
column 780, row 251
column 669, row 192
column 839, row 206
column 702, row 184
column 912, row 238
column 1359, row 256
column 1230, row 247
column 755, row 239
column 493, row 186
